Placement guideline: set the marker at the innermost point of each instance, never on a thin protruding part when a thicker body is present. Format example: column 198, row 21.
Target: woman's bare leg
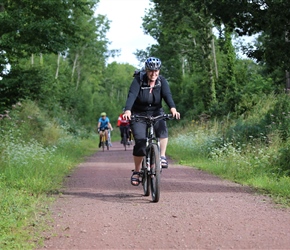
column 163, row 146
column 138, row 162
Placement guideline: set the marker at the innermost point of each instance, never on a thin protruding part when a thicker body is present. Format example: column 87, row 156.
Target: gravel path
column 100, row 209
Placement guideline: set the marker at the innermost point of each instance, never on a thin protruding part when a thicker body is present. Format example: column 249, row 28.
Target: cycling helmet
column 103, row 114
column 152, row 63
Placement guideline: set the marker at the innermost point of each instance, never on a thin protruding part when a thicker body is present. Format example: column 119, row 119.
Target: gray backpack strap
column 140, row 73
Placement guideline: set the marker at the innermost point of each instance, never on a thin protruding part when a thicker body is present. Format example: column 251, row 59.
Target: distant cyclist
column 103, row 126
column 124, row 125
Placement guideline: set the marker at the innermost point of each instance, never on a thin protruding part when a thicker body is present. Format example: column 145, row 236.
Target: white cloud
column 126, row 31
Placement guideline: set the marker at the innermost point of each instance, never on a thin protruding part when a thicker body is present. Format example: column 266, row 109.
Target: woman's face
column 152, row 75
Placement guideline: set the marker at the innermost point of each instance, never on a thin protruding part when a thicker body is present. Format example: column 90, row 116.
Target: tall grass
column 250, row 150
column 36, row 154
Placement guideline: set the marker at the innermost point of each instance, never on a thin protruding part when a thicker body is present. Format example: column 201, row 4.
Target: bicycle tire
column 145, row 178
column 125, row 140
column 155, row 173
column 103, row 142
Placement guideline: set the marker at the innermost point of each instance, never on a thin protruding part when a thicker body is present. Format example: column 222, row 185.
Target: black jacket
column 140, row 100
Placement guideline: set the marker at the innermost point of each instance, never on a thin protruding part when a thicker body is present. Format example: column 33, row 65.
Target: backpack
column 140, row 73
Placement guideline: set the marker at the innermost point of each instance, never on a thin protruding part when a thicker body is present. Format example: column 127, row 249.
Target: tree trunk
column 74, row 67
column 57, row 68
column 32, row 59
column 41, row 59
column 79, row 76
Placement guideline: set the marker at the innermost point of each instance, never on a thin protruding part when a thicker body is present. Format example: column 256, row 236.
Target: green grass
column 36, row 153
column 30, row 173
column 254, row 163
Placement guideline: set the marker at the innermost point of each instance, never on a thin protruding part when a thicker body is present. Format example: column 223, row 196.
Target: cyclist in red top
column 124, row 124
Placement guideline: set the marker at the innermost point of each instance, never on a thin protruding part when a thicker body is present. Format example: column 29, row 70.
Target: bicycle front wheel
column 146, row 180
column 155, row 173
column 103, row 142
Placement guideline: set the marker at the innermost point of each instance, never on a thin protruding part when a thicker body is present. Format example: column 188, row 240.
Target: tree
column 55, row 32
column 269, row 18
column 183, row 30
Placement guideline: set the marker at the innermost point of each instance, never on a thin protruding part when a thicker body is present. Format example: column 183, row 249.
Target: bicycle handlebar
column 152, row 118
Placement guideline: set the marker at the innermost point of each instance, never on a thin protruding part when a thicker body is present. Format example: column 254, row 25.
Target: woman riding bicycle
column 103, row 126
column 145, row 98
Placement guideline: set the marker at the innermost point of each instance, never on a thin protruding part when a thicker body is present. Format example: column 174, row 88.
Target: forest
column 54, row 53
column 55, row 81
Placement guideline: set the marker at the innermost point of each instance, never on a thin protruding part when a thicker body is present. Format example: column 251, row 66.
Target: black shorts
column 139, row 129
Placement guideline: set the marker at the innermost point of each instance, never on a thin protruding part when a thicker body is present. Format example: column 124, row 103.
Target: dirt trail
column 100, row 209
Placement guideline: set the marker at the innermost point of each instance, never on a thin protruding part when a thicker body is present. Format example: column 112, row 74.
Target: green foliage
column 27, row 121
column 36, row 153
column 112, row 95
column 183, row 32
column 64, row 62
column 269, row 18
column 278, row 117
column 282, row 159
column 43, row 27
column 24, row 84
column 245, row 150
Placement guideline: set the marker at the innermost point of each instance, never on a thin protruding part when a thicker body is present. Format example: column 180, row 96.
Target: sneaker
column 164, row 162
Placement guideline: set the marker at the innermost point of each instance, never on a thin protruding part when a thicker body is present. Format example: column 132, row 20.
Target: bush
column 277, row 117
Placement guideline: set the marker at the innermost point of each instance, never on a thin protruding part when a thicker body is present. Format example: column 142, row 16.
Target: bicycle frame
column 103, row 140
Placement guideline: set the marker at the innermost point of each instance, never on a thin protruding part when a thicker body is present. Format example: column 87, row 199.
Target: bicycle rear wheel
column 103, row 146
column 124, row 140
column 145, row 178
column 155, row 173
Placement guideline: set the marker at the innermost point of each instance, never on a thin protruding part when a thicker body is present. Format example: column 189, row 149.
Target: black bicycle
column 150, row 173
column 125, row 138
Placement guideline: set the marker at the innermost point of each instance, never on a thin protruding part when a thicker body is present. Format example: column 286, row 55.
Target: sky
column 126, row 31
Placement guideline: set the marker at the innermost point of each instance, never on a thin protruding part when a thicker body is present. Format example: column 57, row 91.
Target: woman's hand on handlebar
column 127, row 115
column 174, row 113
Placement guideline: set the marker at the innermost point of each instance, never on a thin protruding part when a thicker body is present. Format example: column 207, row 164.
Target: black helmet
column 152, row 63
